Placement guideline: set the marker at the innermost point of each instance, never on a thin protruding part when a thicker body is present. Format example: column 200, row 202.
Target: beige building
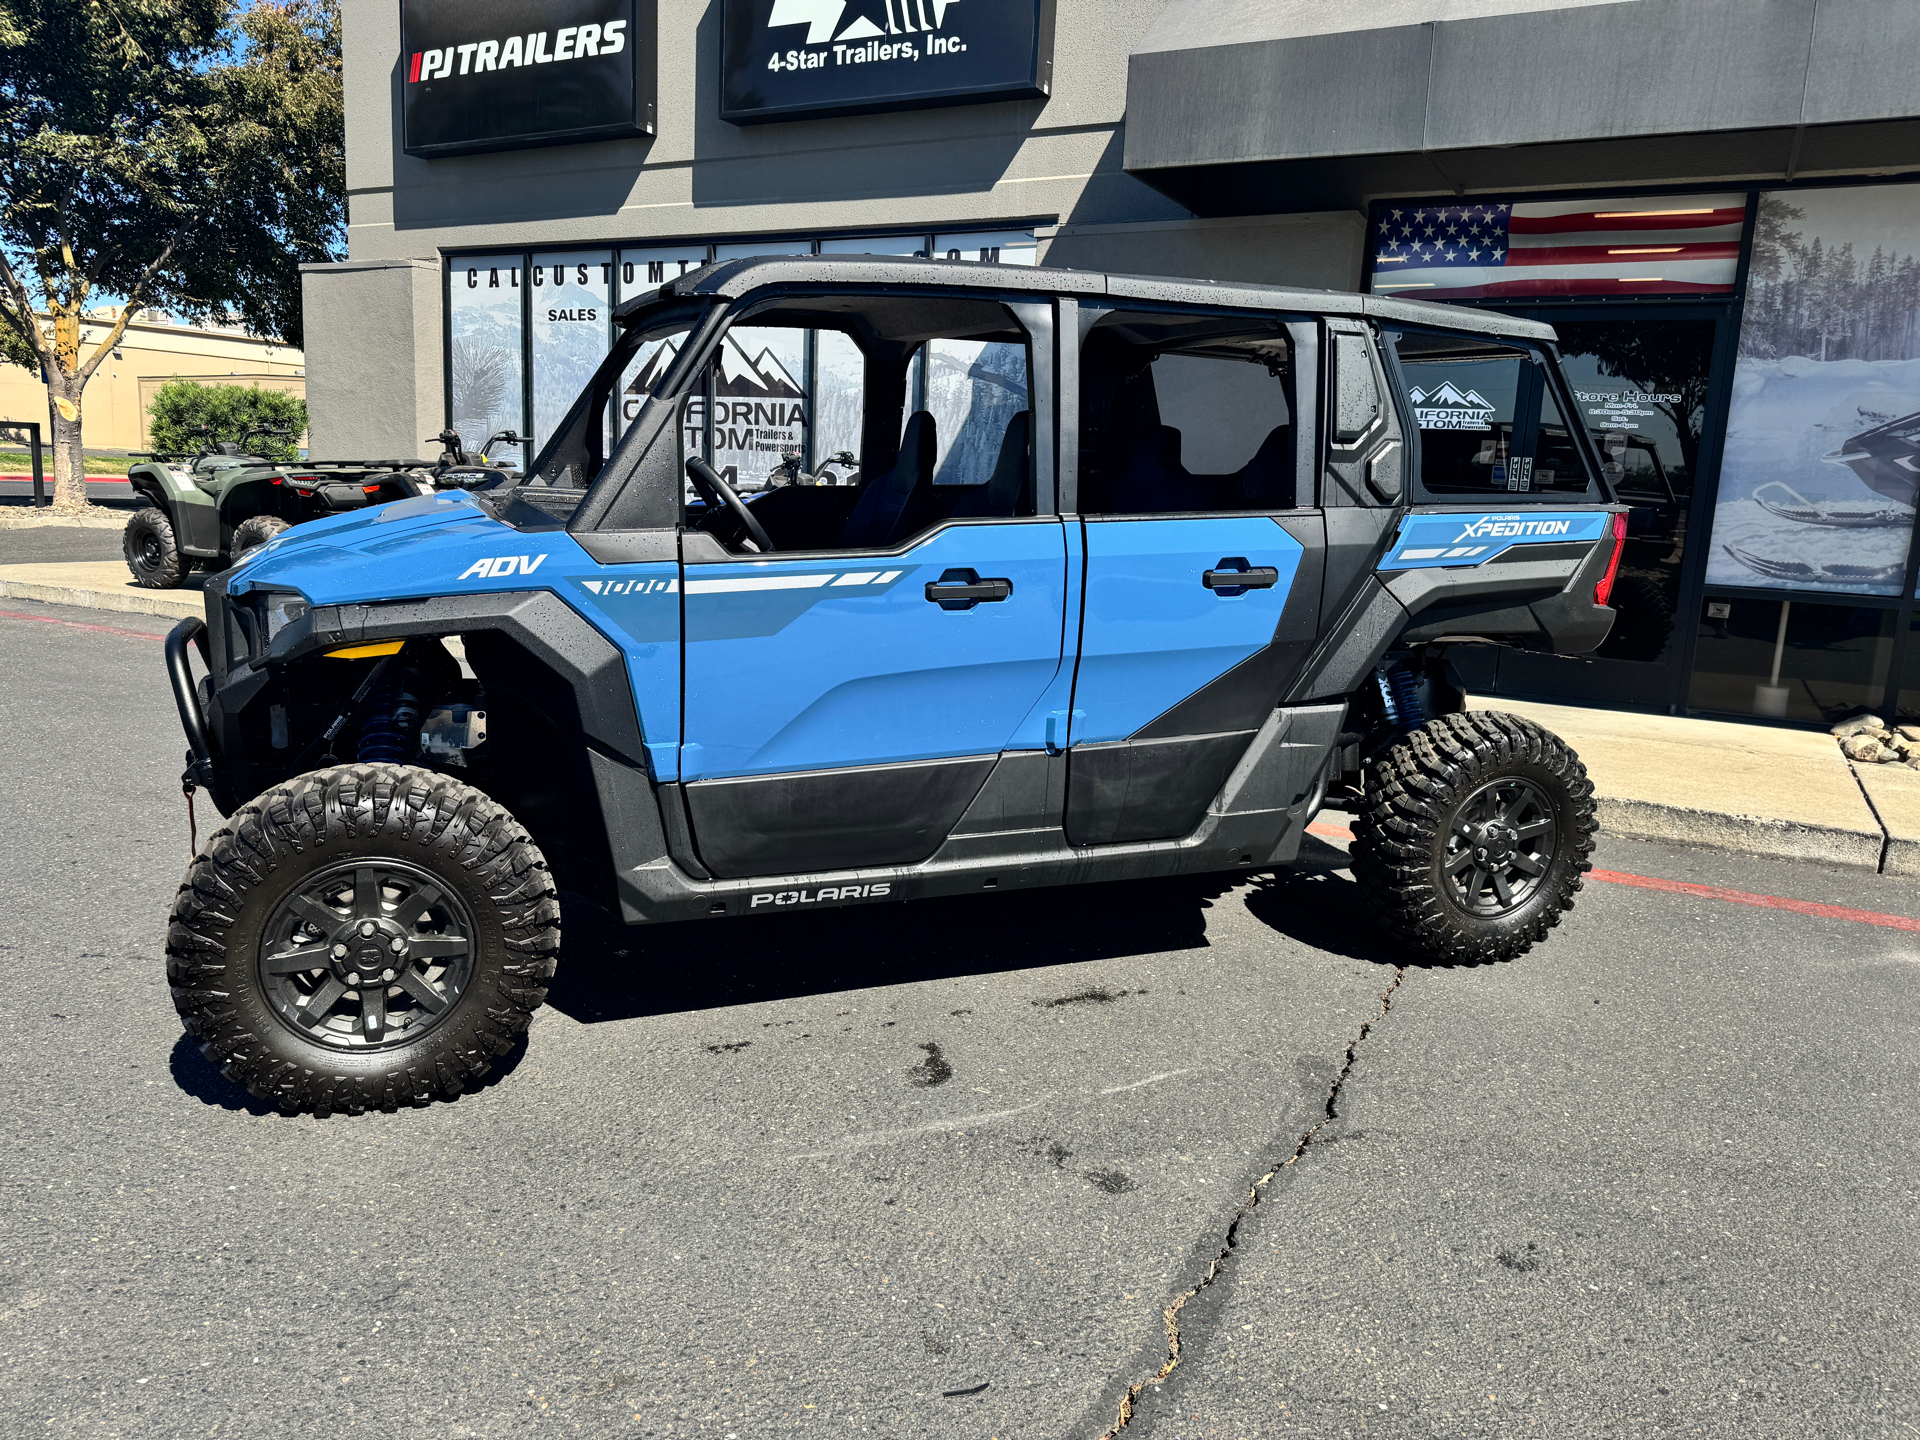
column 153, row 351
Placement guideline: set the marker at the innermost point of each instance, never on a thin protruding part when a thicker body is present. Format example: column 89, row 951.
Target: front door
column 1203, row 564
column 845, row 703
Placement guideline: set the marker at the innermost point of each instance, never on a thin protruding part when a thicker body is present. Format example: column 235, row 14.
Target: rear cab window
column 1488, row 422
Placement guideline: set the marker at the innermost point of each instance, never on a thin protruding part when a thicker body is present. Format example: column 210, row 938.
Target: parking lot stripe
column 1707, row 893
column 80, row 625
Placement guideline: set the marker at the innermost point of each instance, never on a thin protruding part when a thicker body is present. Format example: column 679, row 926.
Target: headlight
column 281, row 608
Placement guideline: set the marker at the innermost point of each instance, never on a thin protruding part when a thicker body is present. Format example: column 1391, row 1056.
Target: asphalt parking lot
column 944, row 1169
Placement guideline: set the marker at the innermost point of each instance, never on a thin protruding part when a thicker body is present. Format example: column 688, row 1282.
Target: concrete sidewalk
column 1754, row 788
column 98, row 585
column 1763, row 789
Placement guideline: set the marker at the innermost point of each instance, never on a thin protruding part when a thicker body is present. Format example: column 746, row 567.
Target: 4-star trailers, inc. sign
column 791, row 59
column 503, row 74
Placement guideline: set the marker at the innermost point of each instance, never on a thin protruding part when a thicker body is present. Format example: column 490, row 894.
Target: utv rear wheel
column 255, row 530
column 153, row 555
column 363, row 938
column 1473, row 836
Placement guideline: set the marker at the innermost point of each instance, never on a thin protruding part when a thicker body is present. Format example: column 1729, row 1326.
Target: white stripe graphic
column 757, row 582
column 1424, row 554
column 856, row 577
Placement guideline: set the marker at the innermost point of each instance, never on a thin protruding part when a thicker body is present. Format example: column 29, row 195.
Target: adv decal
column 783, row 59
column 1463, row 538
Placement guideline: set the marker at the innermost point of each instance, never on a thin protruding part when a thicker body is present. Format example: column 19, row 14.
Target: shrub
column 233, row 411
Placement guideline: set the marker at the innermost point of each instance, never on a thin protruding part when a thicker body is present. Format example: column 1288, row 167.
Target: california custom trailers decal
column 480, row 75
column 793, row 59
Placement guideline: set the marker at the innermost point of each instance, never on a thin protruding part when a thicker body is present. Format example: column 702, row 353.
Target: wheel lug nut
column 339, row 951
column 353, row 978
column 398, row 945
column 386, row 975
column 367, row 928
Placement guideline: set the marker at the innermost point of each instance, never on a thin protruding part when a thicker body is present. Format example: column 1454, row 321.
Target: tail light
column 307, row 480
column 1605, row 586
column 276, row 480
column 371, row 489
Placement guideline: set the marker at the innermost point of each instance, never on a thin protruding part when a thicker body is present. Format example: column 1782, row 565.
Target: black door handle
column 1234, row 576
column 964, row 589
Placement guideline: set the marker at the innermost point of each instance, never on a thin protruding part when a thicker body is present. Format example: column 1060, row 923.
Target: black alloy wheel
column 1500, row 844
column 367, row 954
column 1472, row 836
column 363, row 938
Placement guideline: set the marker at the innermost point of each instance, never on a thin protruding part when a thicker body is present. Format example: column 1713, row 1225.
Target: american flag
column 1667, row 245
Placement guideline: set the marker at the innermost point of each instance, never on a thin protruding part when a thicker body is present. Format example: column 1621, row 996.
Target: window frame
column 1304, row 414
column 1527, row 423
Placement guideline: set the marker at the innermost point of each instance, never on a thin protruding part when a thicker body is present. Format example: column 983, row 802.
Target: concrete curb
column 1650, row 821
column 175, row 603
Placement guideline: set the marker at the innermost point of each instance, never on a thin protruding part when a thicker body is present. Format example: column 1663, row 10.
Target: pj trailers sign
column 790, row 59
column 504, row 74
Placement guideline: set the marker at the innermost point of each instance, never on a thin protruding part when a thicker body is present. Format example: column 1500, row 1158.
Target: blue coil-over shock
column 1400, row 698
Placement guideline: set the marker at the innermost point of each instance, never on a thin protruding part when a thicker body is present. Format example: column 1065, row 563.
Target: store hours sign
column 792, row 59
column 505, row 74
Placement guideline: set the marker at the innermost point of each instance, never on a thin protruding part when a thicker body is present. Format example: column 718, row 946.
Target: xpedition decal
column 1430, row 539
column 500, row 74
column 784, row 59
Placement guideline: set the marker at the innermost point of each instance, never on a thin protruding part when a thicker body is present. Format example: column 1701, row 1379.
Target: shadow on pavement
column 611, row 972
column 198, row 1077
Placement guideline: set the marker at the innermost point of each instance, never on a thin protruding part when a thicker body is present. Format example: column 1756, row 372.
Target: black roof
column 731, row 279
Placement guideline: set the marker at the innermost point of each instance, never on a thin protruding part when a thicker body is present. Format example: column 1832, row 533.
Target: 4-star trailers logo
column 895, row 30
column 477, row 57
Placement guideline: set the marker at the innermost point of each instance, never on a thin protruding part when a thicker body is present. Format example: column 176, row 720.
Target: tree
column 185, row 154
column 237, row 414
column 1659, row 358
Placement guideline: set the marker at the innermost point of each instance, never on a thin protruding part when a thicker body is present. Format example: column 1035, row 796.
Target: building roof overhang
column 1320, row 104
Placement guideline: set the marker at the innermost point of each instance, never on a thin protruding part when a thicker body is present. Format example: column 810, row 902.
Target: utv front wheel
column 1473, row 836
column 366, row 937
column 253, row 531
column 153, row 555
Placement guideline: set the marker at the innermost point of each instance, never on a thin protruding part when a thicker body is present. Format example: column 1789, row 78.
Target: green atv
column 212, row 507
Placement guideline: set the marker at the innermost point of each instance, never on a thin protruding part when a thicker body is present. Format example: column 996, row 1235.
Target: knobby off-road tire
column 255, row 530
column 1474, row 795
column 366, row 937
column 153, row 555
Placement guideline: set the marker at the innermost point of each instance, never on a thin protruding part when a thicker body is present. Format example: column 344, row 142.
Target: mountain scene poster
column 1817, row 487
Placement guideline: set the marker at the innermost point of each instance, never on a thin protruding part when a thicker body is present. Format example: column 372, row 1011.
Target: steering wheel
column 717, row 492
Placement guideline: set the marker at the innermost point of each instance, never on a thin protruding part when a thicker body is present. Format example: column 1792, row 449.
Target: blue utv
column 1138, row 574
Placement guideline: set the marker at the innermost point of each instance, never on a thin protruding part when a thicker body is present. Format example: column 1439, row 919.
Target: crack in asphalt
column 1170, row 1316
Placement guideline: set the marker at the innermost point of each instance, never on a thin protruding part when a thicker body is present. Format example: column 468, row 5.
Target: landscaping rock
column 1866, row 747
column 1854, row 725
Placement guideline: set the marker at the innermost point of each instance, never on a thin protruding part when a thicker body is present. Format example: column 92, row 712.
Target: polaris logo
column 575, row 42
column 825, row 893
column 496, row 566
column 1509, row 527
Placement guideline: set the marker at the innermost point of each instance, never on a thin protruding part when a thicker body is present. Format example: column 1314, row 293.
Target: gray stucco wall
column 701, row 178
column 373, row 348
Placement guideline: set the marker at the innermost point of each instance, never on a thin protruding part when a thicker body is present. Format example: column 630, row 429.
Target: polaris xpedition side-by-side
column 1139, row 573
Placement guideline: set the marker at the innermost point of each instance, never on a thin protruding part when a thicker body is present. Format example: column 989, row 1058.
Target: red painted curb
column 1706, row 893
column 80, row 625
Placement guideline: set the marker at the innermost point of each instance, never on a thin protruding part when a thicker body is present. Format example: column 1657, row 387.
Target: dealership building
column 1713, row 201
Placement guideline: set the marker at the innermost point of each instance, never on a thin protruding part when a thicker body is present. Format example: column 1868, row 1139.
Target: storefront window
column 571, row 295
column 1641, row 386
column 1794, row 660
column 641, row 271
column 484, row 335
column 1817, row 490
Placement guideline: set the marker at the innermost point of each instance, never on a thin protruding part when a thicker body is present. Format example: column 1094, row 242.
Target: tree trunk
column 69, row 459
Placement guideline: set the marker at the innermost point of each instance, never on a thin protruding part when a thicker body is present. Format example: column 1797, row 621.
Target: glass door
column 1645, row 381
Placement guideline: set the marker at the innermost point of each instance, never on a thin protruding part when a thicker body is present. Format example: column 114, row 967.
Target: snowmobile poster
column 1818, row 484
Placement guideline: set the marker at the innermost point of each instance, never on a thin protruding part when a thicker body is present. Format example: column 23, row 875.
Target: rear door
column 1203, row 561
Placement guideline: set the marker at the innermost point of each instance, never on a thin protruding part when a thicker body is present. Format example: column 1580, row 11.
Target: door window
column 923, row 416
column 1488, row 420
column 1184, row 414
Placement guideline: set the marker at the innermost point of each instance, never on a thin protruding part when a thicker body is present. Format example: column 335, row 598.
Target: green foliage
column 186, row 154
column 234, row 411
